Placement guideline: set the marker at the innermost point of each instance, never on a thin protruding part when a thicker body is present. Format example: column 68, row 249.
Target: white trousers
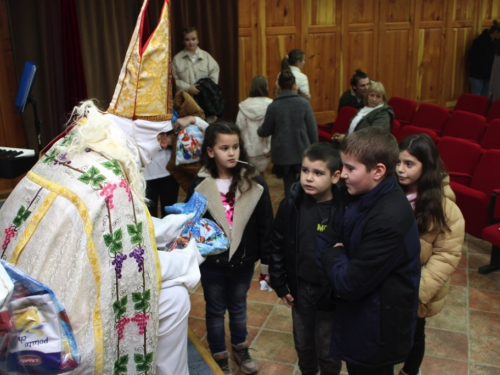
column 173, row 331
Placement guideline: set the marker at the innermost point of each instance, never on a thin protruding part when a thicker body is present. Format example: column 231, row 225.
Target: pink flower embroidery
column 107, row 193
column 124, row 184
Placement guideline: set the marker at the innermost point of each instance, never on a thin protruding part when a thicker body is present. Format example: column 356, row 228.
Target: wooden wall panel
column 416, row 48
column 359, row 53
column 245, row 71
column 323, row 12
column 429, row 65
column 361, row 11
column 277, row 46
column 431, row 10
column 393, row 68
column 396, row 11
column 322, row 66
column 281, row 13
column 457, row 81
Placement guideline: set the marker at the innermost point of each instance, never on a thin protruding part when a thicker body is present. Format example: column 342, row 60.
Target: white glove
column 6, row 287
column 168, row 229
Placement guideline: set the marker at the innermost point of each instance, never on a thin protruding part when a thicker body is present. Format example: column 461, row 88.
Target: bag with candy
column 210, row 238
column 37, row 334
column 188, row 148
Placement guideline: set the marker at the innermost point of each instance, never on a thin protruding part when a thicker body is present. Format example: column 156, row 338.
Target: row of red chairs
column 472, row 166
column 405, row 109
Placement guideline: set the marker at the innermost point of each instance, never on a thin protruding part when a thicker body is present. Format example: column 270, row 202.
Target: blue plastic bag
column 35, row 332
column 210, row 238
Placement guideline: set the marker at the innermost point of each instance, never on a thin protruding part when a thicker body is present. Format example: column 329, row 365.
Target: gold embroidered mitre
column 144, row 89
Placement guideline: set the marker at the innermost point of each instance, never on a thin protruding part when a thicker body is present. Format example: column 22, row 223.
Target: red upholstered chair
column 473, row 103
column 492, row 234
column 341, row 124
column 460, row 158
column 410, row 129
column 491, row 137
column 432, row 117
column 395, row 127
column 494, row 112
column 474, row 200
column 465, row 125
column 404, row 109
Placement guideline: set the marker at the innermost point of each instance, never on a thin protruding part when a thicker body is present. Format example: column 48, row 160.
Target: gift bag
column 37, row 337
column 188, row 146
column 210, row 238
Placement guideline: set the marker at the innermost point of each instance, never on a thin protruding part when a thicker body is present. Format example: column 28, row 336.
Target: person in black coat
column 374, row 264
column 481, row 57
column 310, row 210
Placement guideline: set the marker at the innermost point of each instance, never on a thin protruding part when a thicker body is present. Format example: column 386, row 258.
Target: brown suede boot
column 222, row 360
column 241, row 356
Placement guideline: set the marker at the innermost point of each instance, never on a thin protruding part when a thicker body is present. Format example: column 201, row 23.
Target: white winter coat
column 250, row 117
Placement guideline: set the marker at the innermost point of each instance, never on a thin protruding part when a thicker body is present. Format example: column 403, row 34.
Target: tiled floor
column 463, row 339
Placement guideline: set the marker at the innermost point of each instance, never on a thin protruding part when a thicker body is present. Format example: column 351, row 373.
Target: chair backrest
column 465, row 125
column 486, row 178
column 410, row 129
column 473, row 103
column 343, row 120
column 491, row 137
column 459, row 155
column 404, row 109
column 431, row 116
column 395, row 127
column 494, row 112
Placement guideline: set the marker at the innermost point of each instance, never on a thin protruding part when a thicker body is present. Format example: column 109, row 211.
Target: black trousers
column 359, row 370
column 166, row 189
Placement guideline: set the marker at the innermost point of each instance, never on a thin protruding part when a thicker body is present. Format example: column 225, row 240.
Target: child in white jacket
column 250, row 117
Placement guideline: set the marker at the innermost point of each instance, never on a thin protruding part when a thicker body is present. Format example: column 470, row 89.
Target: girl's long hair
column 429, row 211
column 244, row 175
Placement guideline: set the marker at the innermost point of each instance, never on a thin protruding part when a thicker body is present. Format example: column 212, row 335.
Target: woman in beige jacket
column 441, row 227
column 193, row 64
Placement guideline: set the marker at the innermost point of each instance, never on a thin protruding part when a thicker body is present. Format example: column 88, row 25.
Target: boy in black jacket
column 312, row 204
column 374, row 266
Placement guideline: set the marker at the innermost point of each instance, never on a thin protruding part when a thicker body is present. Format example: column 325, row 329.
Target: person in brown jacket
column 441, row 226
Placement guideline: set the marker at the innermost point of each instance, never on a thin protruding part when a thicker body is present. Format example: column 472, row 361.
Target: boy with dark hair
column 374, row 266
column 312, row 205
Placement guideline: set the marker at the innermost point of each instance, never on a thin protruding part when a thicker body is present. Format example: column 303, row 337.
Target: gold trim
column 31, row 227
column 152, row 238
column 93, row 259
column 165, row 117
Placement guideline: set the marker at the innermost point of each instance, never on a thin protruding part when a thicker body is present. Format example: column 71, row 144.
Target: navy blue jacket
column 375, row 276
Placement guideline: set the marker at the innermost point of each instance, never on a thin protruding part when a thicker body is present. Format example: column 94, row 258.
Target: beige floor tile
column 275, row 346
column 450, row 318
column 446, row 344
column 280, row 319
column 484, row 350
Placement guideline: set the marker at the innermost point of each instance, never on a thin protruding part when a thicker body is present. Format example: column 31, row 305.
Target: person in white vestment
column 78, row 223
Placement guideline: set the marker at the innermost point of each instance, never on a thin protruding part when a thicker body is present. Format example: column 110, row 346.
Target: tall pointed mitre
column 144, row 89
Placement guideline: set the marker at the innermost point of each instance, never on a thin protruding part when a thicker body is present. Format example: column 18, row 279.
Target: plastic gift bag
column 188, row 148
column 37, row 335
column 210, row 238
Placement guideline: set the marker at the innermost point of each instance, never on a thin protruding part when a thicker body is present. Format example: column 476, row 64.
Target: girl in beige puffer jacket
column 441, row 226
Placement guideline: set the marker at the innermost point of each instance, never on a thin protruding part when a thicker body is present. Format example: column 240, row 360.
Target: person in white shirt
column 295, row 61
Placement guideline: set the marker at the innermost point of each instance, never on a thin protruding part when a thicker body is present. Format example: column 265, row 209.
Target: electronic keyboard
column 15, row 161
